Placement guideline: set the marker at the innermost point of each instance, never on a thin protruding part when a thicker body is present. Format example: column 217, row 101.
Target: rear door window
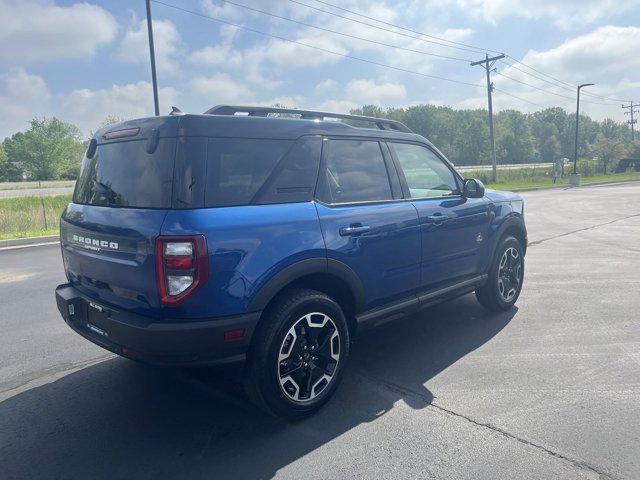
column 123, row 174
column 354, row 171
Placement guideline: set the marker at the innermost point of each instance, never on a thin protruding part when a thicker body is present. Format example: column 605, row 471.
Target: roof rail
column 381, row 123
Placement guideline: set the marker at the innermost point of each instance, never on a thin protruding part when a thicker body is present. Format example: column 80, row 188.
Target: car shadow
column 118, row 419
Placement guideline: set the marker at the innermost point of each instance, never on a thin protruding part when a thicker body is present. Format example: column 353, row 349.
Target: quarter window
column 354, row 171
column 425, row 172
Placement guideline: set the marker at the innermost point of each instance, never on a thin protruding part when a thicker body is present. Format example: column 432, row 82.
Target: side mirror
column 473, row 188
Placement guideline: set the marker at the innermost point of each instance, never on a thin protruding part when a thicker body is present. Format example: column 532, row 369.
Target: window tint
column 426, row 174
column 354, row 172
column 123, row 174
column 238, row 167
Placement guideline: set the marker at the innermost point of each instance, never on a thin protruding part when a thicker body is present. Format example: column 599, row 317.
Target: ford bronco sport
column 272, row 237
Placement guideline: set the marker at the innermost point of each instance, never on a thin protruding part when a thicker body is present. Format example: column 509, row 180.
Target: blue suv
column 272, row 237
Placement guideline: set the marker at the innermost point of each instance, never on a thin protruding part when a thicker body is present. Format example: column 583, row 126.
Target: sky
column 83, row 61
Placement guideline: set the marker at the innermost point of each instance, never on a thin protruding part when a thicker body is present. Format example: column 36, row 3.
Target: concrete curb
column 556, row 187
column 19, row 242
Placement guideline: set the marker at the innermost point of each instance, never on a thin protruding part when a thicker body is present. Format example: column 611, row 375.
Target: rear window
column 123, row 174
column 207, row 172
column 223, row 172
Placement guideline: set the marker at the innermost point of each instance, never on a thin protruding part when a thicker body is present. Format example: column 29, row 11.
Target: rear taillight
column 182, row 266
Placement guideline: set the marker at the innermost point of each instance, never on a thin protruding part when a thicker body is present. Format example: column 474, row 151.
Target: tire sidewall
column 270, row 387
column 508, row 242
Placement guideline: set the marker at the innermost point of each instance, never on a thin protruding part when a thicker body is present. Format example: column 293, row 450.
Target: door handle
column 438, row 218
column 354, row 229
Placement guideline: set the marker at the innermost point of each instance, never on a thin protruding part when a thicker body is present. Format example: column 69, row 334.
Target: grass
column 526, row 178
column 533, row 182
column 25, row 216
column 35, row 185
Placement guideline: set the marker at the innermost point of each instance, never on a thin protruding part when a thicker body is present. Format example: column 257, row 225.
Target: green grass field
column 25, row 217
column 517, row 182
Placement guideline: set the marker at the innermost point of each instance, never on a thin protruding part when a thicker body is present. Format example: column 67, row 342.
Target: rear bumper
column 169, row 342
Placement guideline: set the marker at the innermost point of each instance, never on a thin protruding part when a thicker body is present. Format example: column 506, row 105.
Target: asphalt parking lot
column 548, row 390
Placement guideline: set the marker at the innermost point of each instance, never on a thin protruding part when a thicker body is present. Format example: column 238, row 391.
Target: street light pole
column 152, row 54
column 574, row 179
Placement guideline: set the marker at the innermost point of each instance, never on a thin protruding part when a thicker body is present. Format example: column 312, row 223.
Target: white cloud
column 326, row 86
column 337, row 106
column 23, row 96
column 563, row 13
column 87, row 108
column 600, row 56
column 217, row 55
column 134, row 47
column 369, row 92
column 39, row 30
column 220, row 89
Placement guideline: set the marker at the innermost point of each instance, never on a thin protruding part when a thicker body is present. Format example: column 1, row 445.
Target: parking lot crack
column 538, row 242
column 428, row 402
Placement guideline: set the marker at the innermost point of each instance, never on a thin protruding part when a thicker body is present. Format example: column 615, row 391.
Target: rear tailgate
column 121, row 198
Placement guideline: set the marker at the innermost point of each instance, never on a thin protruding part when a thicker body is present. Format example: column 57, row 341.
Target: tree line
column 51, row 149
column 543, row 136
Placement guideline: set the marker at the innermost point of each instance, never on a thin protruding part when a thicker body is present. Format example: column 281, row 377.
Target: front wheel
column 505, row 277
column 298, row 356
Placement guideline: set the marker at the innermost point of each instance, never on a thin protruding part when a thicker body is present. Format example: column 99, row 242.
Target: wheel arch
column 513, row 225
column 329, row 276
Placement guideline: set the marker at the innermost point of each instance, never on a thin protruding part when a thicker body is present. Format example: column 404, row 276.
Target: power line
column 549, row 91
column 495, row 89
column 564, row 84
column 472, row 49
column 342, row 33
column 558, row 82
column 476, row 49
column 315, row 47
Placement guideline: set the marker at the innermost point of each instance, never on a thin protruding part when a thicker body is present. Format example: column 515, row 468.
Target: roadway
column 550, row 389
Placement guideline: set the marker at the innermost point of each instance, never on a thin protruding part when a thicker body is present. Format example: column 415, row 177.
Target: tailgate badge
column 96, row 306
column 97, row 330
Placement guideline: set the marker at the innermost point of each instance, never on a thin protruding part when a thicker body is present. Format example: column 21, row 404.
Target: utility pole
column 574, row 178
column 152, row 54
column 632, row 109
column 488, row 65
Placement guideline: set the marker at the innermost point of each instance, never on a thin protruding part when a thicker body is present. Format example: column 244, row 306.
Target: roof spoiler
column 381, row 123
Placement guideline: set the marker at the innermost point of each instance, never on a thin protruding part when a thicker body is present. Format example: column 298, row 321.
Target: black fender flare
column 301, row 269
column 513, row 221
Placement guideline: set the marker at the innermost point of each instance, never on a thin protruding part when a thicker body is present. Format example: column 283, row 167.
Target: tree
column 634, row 149
column 609, row 150
column 8, row 171
column 514, row 139
column 49, row 149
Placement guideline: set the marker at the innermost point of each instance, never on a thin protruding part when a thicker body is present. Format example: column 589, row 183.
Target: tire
column 298, row 354
column 506, row 276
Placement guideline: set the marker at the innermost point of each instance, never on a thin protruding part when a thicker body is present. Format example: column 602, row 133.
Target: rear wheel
column 505, row 277
column 299, row 354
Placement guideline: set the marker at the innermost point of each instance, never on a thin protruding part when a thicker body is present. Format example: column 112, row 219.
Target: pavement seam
column 429, row 403
column 53, row 372
column 538, row 242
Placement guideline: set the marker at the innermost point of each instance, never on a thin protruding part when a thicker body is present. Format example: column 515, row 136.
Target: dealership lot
column 548, row 390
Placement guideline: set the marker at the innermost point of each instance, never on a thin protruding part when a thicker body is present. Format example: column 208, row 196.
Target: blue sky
column 84, row 61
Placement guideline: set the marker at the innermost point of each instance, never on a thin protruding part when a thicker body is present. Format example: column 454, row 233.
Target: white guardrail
column 515, row 166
